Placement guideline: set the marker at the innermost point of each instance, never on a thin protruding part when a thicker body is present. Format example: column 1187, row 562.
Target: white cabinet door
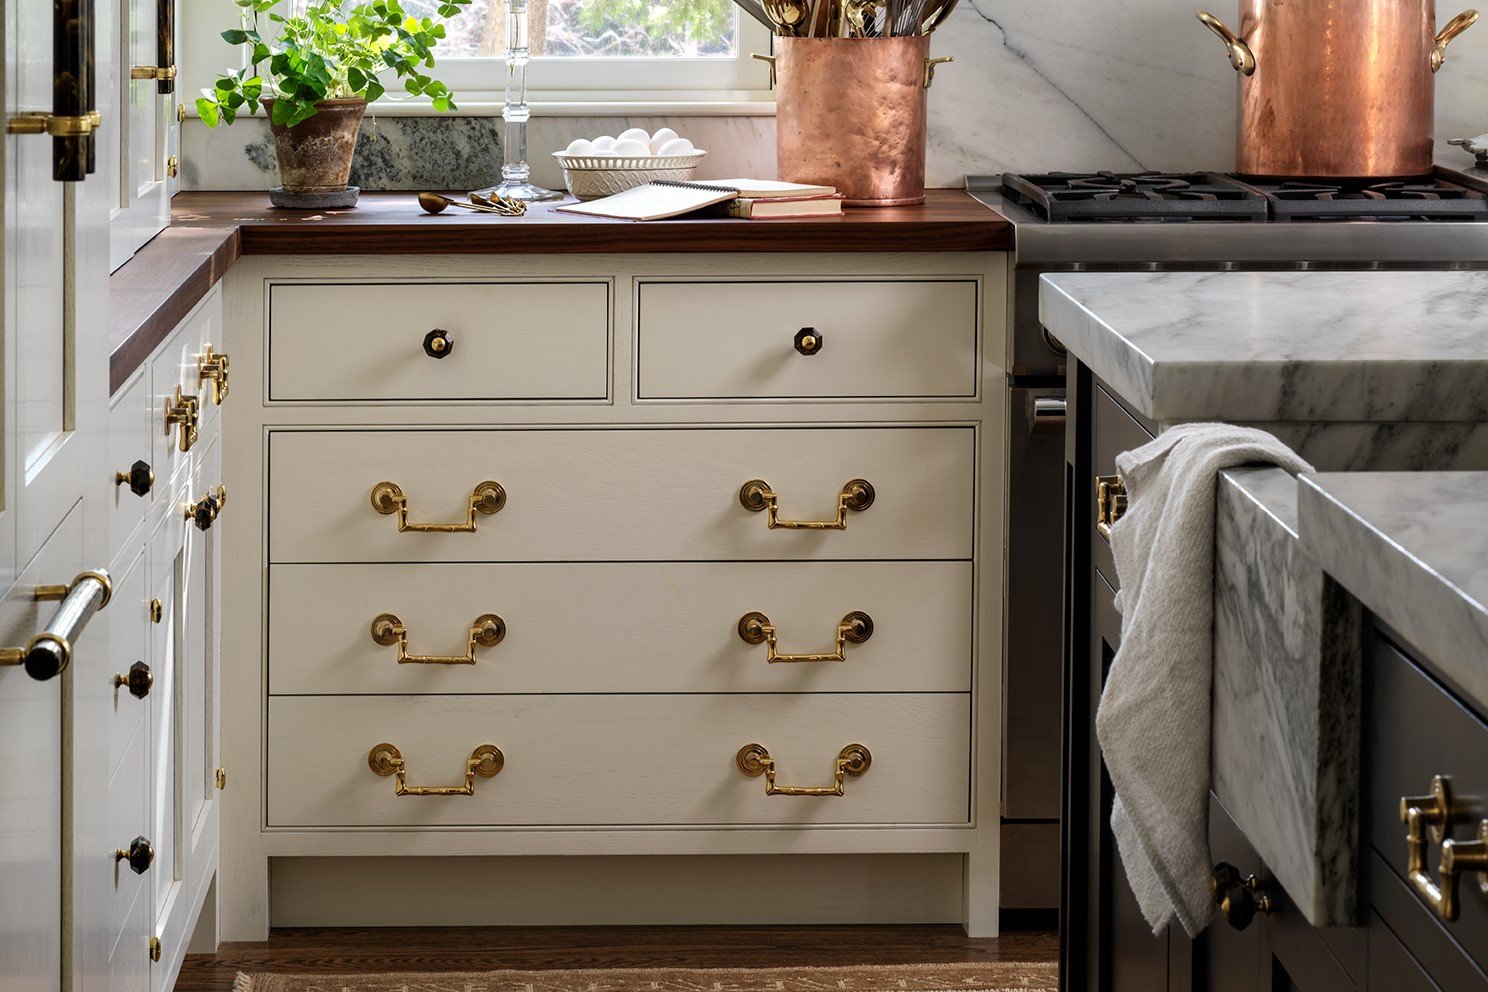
column 138, row 135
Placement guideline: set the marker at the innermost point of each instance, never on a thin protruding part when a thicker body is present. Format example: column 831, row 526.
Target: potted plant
column 315, row 74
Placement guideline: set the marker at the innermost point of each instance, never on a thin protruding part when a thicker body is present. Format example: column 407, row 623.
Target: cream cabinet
column 163, row 732
column 600, row 556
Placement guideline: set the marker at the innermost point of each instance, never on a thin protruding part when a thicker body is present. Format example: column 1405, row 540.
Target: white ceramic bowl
column 590, row 177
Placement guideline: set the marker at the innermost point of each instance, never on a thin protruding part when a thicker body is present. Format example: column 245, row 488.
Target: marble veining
column 1411, row 547
column 1285, row 346
column 1285, row 744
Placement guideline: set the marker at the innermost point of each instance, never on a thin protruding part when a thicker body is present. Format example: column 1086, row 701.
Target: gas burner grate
column 1129, row 197
column 1426, row 198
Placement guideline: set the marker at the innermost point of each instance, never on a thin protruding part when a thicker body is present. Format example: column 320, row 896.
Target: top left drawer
column 439, row 342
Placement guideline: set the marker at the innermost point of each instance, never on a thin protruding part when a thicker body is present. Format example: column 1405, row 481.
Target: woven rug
column 988, row 977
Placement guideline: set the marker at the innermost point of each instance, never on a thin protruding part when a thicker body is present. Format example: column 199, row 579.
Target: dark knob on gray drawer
column 808, row 341
column 438, row 343
column 138, row 681
column 140, row 478
column 139, row 856
column 1239, row 897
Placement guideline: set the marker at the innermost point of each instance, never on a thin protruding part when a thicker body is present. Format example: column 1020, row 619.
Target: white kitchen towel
column 1154, row 717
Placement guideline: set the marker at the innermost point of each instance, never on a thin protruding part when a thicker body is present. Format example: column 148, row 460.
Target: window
column 607, row 50
column 583, row 51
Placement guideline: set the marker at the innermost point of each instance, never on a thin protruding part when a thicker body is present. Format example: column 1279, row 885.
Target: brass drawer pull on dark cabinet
column 1434, row 812
column 1110, row 502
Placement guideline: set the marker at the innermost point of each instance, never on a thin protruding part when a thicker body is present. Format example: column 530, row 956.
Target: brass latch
column 212, row 367
column 155, row 73
column 1110, row 502
column 183, row 411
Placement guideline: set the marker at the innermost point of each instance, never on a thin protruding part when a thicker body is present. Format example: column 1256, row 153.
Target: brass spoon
column 435, row 203
column 504, row 205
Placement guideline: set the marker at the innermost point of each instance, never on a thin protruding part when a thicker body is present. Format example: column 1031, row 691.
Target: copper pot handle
column 1241, row 57
column 1444, row 37
column 930, row 65
column 768, row 60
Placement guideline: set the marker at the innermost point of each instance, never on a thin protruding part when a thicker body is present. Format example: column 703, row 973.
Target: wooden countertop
column 209, row 232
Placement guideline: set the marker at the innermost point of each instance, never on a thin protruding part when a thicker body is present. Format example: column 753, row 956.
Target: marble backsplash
column 1037, row 85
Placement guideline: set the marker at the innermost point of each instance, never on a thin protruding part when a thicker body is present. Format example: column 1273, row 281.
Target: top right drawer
column 818, row 340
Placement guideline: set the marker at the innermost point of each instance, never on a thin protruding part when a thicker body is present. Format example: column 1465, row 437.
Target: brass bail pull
column 488, row 630
column 1444, row 37
column 756, row 496
column 756, row 628
column 1241, row 57
column 754, row 760
column 486, row 761
column 486, row 498
column 1433, row 813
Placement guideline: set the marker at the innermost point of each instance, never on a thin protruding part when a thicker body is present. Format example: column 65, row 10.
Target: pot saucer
column 314, row 201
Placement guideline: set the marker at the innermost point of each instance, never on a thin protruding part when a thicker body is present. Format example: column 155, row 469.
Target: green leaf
column 207, row 109
column 235, row 36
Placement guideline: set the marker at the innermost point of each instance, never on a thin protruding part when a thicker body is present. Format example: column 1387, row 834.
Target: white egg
column 603, row 143
column 662, row 137
column 579, row 146
column 631, row 147
column 638, row 133
column 677, row 146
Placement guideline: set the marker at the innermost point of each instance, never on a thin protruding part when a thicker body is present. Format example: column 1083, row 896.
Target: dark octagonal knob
column 138, row 681
column 139, row 857
column 438, row 343
column 140, row 478
column 808, row 341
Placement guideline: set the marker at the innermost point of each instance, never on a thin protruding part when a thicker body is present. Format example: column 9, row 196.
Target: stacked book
column 749, row 199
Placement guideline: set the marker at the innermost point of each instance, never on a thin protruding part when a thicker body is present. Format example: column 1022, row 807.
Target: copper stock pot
column 1337, row 88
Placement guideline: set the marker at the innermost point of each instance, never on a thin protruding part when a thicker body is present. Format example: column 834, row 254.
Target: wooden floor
column 489, row 949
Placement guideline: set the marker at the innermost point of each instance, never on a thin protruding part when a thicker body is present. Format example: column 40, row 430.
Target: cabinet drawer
column 129, row 642
column 1416, row 731
column 620, row 495
column 131, row 419
column 739, row 340
column 177, row 367
column 616, row 627
column 128, row 818
column 380, row 341
column 639, row 760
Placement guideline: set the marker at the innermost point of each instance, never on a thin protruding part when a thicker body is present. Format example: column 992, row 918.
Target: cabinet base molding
column 633, row 891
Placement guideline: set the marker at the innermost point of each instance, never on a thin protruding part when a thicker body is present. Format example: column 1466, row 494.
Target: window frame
column 555, row 86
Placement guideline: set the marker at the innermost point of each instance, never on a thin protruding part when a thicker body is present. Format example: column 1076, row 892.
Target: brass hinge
column 221, row 779
column 173, row 167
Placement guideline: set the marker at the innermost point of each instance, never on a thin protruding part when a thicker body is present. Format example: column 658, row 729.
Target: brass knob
column 438, row 343
column 138, row 681
column 808, row 341
column 140, row 478
column 139, row 856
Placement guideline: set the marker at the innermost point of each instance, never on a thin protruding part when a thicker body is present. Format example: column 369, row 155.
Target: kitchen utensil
column 756, row 10
column 1474, row 146
column 1336, row 88
column 436, row 203
column 935, row 17
column 591, row 176
column 503, row 205
column 790, row 16
column 850, row 113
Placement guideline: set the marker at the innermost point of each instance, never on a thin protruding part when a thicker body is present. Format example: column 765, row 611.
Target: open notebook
column 665, row 198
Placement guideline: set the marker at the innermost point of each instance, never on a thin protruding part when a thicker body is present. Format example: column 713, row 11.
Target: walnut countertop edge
column 151, row 293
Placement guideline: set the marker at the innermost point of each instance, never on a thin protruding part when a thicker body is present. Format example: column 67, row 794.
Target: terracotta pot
column 1337, row 88
column 315, row 154
column 850, row 113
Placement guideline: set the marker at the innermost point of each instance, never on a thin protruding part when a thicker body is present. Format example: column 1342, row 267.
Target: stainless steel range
column 1140, row 222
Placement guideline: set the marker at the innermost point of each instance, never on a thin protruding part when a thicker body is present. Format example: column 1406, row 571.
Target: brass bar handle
column 1110, row 502
column 183, row 412
column 1433, row 813
column 1444, row 37
column 486, row 761
column 165, row 46
column 756, row 495
column 1241, row 57
column 160, row 74
column 756, row 628
column 753, row 760
column 486, row 498
column 212, row 367
column 49, row 653
column 487, row 631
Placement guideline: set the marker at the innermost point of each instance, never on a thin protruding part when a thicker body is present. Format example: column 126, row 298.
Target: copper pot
column 1337, row 88
column 850, row 113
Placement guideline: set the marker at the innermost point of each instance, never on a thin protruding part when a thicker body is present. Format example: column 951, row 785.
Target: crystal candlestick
column 516, row 174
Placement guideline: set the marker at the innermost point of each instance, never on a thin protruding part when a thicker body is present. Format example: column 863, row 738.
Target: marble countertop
column 1411, row 547
column 1280, row 346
